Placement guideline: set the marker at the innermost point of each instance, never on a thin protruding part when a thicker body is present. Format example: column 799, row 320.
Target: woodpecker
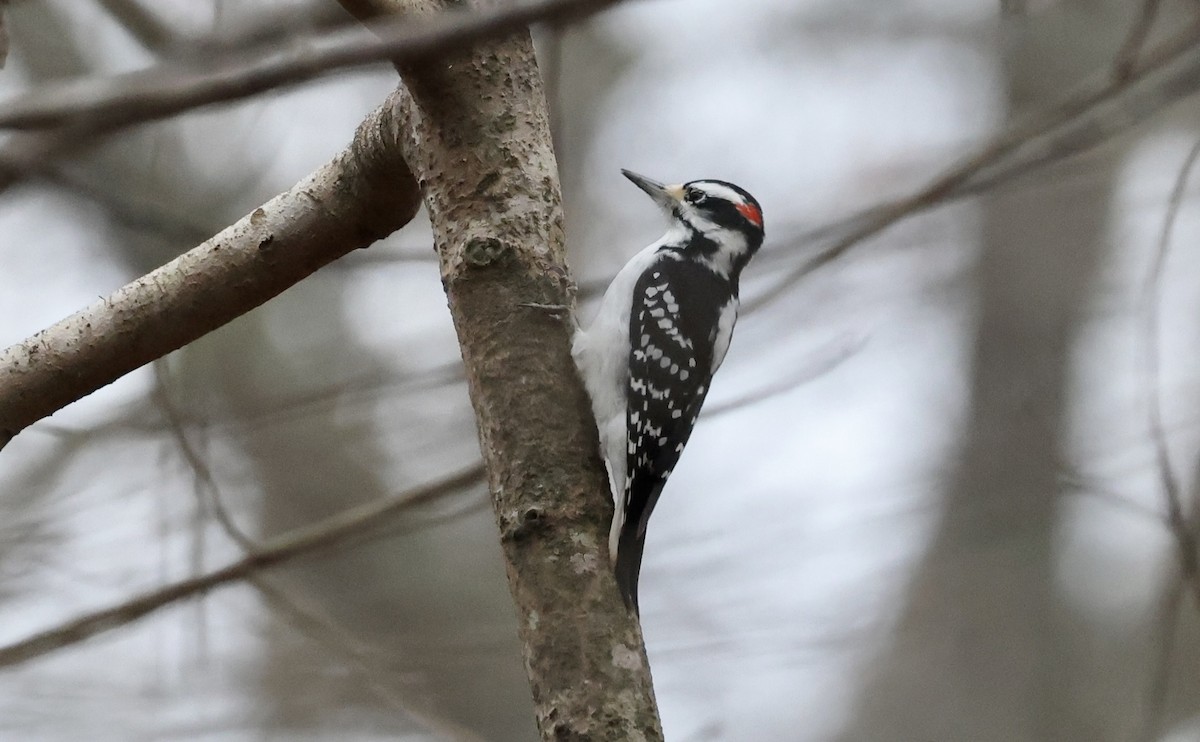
column 649, row 356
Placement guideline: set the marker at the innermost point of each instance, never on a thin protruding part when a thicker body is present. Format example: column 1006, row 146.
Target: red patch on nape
column 751, row 212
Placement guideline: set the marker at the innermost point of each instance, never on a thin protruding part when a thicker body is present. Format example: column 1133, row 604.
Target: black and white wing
column 680, row 324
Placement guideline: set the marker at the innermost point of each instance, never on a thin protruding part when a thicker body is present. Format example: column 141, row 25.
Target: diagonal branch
column 105, row 104
column 362, row 195
column 307, row 618
column 143, row 24
column 337, row 530
column 1068, row 129
column 1186, row 545
column 3, row 36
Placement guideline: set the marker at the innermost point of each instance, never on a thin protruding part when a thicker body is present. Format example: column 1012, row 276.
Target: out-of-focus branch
column 3, row 36
column 477, row 136
column 26, row 153
column 348, row 527
column 307, row 618
column 1184, row 534
column 816, row 367
column 1183, row 529
column 102, row 105
column 1127, row 55
column 1013, row 8
column 142, row 24
column 1169, row 73
column 364, row 194
column 1162, row 649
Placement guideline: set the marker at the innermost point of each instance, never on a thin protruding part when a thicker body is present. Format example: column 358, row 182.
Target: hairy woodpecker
column 649, row 357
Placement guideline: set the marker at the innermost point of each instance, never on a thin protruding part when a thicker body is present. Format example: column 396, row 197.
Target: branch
column 102, row 105
column 356, row 523
column 999, row 161
column 361, row 196
column 477, row 137
column 1127, row 55
column 1162, row 649
column 3, row 36
column 307, row 618
column 1183, row 532
column 142, row 24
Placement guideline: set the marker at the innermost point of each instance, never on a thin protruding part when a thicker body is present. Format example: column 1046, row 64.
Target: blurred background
column 925, row 503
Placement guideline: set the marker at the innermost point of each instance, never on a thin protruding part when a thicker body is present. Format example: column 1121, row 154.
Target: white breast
column 601, row 354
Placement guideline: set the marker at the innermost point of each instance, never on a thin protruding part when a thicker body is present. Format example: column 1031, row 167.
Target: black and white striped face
column 709, row 205
column 719, row 221
column 706, row 205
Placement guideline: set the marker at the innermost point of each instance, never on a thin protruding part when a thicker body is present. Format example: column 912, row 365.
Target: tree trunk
column 476, row 135
column 474, row 131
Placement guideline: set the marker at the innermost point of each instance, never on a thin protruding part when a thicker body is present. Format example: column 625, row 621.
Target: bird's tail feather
column 629, row 566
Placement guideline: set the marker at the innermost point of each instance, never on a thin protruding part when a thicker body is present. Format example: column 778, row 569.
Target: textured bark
column 362, row 195
column 476, row 134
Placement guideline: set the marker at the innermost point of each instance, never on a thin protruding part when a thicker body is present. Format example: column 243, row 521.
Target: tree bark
column 475, row 131
column 477, row 136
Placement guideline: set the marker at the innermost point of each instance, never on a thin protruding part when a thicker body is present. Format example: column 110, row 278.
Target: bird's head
column 715, row 218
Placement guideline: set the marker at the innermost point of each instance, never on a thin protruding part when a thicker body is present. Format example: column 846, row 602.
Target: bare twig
column 1131, row 48
column 29, row 153
column 350, row 526
column 1162, row 651
column 102, row 105
column 208, row 493
column 818, row 366
column 1181, row 529
column 1074, row 482
column 1013, row 8
column 307, row 618
column 989, row 166
column 142, row 24
column 3, row 36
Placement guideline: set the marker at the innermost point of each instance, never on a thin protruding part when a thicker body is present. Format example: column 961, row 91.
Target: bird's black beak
column 666, row 196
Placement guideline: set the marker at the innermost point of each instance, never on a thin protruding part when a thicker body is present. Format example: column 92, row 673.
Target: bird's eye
column 696, row 197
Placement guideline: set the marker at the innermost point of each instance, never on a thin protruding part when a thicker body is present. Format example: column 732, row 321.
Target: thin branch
column 260, row 26
column 208, row 493
column 1185, row 536
column 365, row 659
column 142, row 24
column 1128, row 54
column 351, row 526
column 305, row 617
column 3, row 36
column 1013, row 8
column 1163, row 650
column 1076, row 483
column 118, row 206
column 364, row 194
column 816, row 367
column 28, row 153
column 986, row 167
column 102, row 105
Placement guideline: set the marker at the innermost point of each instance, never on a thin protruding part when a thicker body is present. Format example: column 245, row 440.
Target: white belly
column 601, row 353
